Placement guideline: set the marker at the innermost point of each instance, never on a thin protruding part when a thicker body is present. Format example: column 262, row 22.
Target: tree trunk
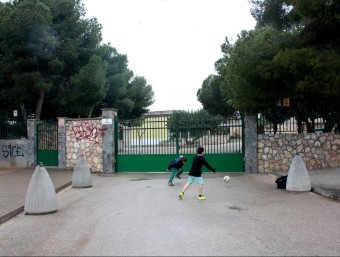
column 39, row 105
column 23, row 111
column 90, row 112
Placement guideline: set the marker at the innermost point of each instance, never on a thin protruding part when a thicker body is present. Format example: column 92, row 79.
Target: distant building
column 151, row 129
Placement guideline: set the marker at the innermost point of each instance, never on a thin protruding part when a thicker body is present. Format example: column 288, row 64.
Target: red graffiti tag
column 88, row 131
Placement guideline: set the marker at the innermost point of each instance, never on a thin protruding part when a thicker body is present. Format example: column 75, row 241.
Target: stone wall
column 84, row 138
column 318, row 150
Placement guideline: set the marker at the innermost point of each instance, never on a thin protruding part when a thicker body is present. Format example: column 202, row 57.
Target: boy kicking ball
column 195, row 174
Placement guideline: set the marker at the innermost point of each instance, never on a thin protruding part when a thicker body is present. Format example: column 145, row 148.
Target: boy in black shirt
column 195, row 173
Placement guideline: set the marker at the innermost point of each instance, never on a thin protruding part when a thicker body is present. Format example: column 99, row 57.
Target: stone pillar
column 32, row 142
column 62, row 143
column 250, row 142
column 108, row 116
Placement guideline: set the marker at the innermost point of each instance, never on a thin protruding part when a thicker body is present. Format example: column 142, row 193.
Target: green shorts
column 198, row 180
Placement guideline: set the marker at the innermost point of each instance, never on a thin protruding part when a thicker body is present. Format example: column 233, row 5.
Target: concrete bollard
column 41, row 196
column 298, row 177
column 82, row 176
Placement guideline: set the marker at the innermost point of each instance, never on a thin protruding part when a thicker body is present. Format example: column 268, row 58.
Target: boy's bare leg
column 186, row 186
column 200, row 189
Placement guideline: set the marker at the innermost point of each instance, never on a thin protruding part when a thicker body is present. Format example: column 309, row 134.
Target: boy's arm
column 206, row 164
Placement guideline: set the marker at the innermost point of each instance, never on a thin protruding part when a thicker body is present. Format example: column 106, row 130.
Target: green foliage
column 90, row 86
column 309, row 71
column 293, row 52
column 130, row 94
column 248, row 78
column 271, row 12
column 141, row 95
column 209, row 95
column 51, row 56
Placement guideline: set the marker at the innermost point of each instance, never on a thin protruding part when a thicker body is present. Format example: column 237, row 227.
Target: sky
column 173, row 44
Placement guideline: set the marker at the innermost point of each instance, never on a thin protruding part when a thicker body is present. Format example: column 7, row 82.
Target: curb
column 11, row 214
column 326, row 193
column 20, row 209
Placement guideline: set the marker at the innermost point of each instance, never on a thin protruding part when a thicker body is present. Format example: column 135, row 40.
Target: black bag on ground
column 281, row 182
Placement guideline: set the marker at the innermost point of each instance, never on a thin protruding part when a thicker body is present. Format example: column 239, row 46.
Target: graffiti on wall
column 88, row 130
column 11, row 151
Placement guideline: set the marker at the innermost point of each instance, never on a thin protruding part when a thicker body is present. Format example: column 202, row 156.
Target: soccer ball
column 226, row 179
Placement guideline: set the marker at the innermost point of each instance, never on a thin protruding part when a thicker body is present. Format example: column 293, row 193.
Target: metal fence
column 302, row 115
column 12, row 124
column 169, row 134
column 47, row 143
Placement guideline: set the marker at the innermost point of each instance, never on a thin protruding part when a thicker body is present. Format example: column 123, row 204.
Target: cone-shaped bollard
column 82, row 176
column 298, row 177
column 41, row 196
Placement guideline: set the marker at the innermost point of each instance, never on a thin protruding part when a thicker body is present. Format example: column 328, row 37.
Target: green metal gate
column 47, row 143
column 149, row 143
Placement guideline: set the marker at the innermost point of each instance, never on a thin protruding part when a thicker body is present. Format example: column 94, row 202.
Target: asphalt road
column 135, row 214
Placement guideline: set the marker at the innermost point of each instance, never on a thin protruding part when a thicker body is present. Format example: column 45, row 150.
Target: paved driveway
column 138, row 214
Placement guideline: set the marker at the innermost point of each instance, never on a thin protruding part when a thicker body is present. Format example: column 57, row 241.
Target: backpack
column 281, row 182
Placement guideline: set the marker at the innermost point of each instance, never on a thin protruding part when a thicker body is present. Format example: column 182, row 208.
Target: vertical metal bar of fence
column 162, row 135
column 127, row 138
column 235, row 141
column 240, row 125
column 130, row 138
column 177, row 134
column 147, row 130
column 167, row 134
column 230, row 129
column 155, row 138
column 12, row 124
column 157, row 132
column 159, row 135
column 214, row 139
column 243, row 133
column 151, row 134
column 139, row 132
column 115, row 138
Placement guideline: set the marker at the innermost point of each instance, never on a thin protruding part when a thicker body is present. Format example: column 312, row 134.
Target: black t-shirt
column 197, row 164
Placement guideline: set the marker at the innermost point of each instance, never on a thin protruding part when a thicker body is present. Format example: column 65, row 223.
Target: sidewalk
column 14, row 184
column 325, row 182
